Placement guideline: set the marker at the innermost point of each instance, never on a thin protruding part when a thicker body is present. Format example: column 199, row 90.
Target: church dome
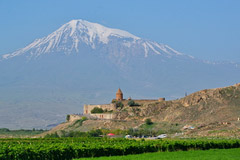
column 119, row 90
column 119, row 95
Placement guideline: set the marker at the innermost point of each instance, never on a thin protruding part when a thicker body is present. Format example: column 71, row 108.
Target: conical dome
column 119, row 95
column 119, row 90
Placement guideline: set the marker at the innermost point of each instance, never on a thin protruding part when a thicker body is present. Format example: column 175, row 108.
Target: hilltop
column 210, row 112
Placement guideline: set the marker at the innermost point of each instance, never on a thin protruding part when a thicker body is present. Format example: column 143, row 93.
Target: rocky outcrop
column 209, row 105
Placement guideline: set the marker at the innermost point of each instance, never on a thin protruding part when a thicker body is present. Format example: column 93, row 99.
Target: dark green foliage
column 4, row 130
column 119, row 104
column 148, row 121
column 97, row 110
column 114, row 101
column 75, row 134
column 69, row 148
column 79, row 121
column 21, row 132
column 92, row 133
column 132, row 103
column 95, row 133
column 68, row 117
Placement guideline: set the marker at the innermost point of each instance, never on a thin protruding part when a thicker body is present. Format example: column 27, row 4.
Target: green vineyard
column 69, row 148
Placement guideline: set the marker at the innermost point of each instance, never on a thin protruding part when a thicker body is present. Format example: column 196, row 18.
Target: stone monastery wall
column 103, row 115
column 88, row 108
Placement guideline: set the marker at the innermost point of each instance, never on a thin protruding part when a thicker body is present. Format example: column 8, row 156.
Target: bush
column 68, row 117
column 132, row 103
column 119, row 105
column 97, row 110
column 148, row 121
column 95, row 133
column 114, row 101
column 84, row 118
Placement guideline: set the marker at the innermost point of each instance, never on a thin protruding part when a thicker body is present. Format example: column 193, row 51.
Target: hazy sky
column 206, row 29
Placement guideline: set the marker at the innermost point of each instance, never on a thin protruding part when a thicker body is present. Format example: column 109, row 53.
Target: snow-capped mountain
column 84, row 62
column 77, row 35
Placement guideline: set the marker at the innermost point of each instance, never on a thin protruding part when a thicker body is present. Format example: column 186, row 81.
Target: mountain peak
column 79, row 35
column 95, row 30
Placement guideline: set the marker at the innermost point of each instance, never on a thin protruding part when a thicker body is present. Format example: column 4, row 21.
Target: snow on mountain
column 84, row 62
column 72, row 36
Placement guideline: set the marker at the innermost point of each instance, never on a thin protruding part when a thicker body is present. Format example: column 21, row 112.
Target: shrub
column 148, row 121
column 84, row 118
column 97, row 110
column 132, row 103
column 119, row 104
column 95, row 133
column 114, row 101
column 68, row 117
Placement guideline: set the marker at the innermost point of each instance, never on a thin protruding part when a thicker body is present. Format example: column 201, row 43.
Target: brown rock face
column 206, row 106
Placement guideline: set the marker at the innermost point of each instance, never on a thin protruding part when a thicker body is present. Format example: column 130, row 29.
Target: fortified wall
column 112, row 107
column 74, row 117
column 108, row 107
column 104, row 115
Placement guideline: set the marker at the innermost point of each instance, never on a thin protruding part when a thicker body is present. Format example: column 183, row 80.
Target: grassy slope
column 216, row 154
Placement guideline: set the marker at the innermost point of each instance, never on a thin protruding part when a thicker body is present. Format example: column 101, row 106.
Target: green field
column 216, row 154
column 69, row 148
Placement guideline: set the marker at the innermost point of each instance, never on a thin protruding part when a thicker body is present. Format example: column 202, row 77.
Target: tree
column 68, row 117
column 114, row 101
column 132, row 103
column 97, row 110
column 95, row 133
column 119, row 104
column 148, row 121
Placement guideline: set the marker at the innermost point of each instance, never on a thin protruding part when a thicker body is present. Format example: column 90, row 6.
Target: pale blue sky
column 206, row 29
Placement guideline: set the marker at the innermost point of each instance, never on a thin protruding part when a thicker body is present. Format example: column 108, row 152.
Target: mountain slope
column 77, row 35
column 84, row 62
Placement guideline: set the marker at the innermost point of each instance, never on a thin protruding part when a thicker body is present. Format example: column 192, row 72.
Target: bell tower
column 119, row 95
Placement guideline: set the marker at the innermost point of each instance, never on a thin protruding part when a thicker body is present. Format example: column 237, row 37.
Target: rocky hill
column 211, row 112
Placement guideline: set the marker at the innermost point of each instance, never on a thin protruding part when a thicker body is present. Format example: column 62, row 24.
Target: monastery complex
column 110, row 110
